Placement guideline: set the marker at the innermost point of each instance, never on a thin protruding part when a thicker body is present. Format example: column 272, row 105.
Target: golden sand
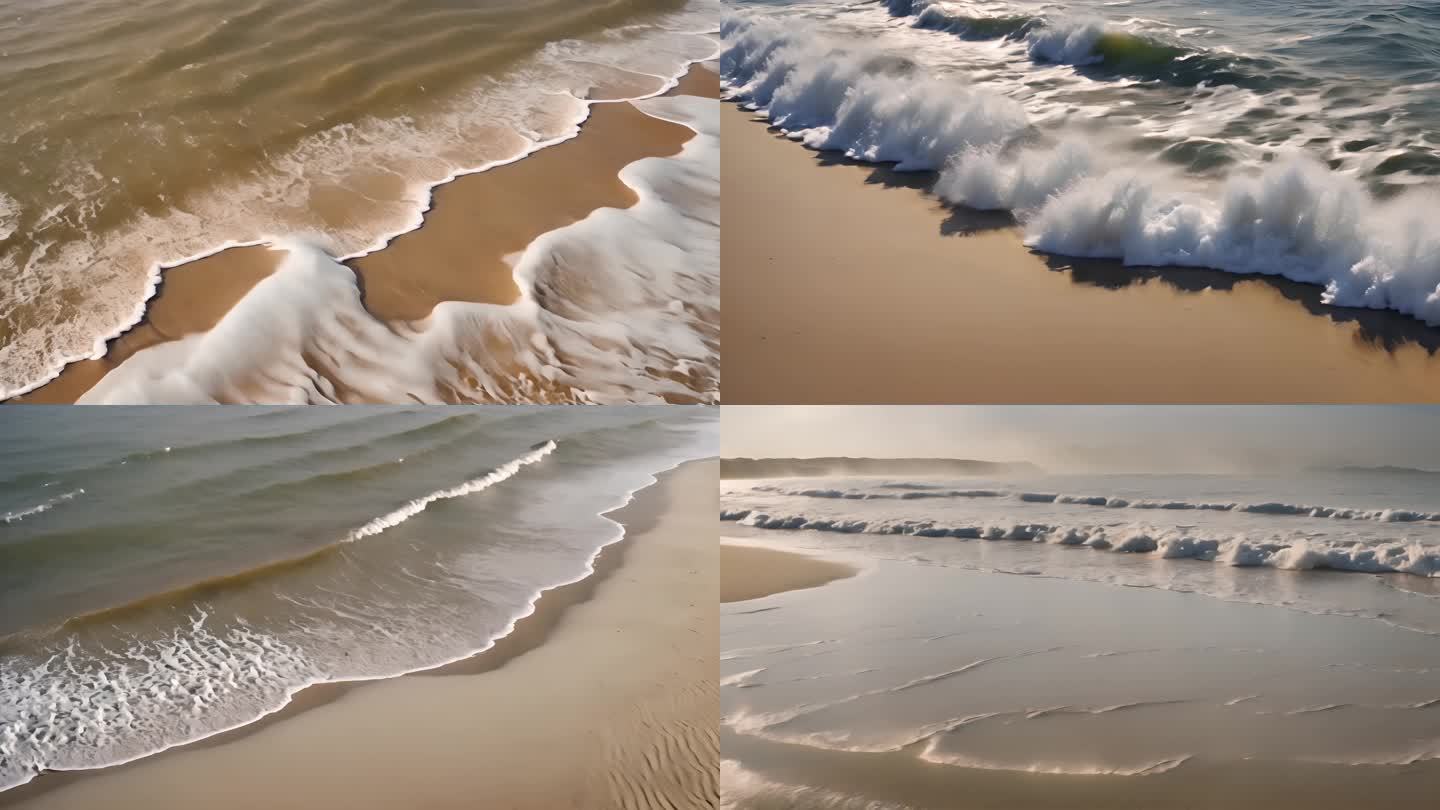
column 748, row 572
column 458, row 253
column 846, row 284
column 605, row 697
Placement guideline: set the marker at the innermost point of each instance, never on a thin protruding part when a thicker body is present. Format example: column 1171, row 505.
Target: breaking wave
column 1077, row 194
column 485, row 481
column 1298, row 553
column 29, row 511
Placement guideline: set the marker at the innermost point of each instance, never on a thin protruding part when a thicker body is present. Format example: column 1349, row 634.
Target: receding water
column 167, row 573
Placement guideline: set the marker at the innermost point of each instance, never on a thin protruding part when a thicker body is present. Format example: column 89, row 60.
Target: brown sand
column 845, row 284
column 457, row 255
column 612, row 704
column 193, row 297
column 747, row 572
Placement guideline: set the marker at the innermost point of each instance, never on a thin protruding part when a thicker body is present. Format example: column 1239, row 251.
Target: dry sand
column 846, row 284
column 748, row 572
column 458, row 253
column 605, row 697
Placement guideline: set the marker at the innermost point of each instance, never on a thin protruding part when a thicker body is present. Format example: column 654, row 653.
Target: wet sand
column 748, row 572
column 506, row 728
column 458, row 254
column 848, row 284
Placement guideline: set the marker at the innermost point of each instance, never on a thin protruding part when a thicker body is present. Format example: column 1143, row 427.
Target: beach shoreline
column 664, row 673
column 849, row 283
column 751, row 572
column 458, row 250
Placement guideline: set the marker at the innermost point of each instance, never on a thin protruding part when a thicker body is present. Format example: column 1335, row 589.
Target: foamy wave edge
column 1276, row 508
column 619, row 533
column 1295, row 218
column 155, row 271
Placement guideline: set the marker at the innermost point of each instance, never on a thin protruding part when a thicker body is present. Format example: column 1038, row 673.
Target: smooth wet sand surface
column 842, row 287
column 458, row 254
column 610, row 703
column 748, row 572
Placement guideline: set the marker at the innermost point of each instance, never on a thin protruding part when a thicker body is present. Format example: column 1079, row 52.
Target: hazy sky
column 1123, row 437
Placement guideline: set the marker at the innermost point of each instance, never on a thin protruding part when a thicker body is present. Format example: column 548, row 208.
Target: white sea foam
column 1276, row 508
column 30, row 511
column 741, row 679
column 1238, row 549
column 870, row 105
column 74, row 704
column 1068, row 42
column 642, row 331
column 9, row 216
column 1292, row 216
column 1145, row 769
column 415, row 507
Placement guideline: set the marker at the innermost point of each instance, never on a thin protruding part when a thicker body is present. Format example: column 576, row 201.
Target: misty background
column 1107, row 438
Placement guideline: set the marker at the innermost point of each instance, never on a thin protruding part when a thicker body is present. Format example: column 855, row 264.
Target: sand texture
column 748, row 572
column 605, row 697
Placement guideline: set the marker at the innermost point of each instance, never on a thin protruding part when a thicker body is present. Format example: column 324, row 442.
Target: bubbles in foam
column 415, row 507
column 870, row 107
column 355, row 185
column 1076, row 193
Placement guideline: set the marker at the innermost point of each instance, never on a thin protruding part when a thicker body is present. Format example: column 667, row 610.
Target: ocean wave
column 114, row 272
column 77, row 698
column 415, row 507
column 870, row 105
column 30, row 511
column 1092, row 42
column 1298, row 553
column 1295, row 218
column 739, row 786
column 931, row 754
column 645, row 331
column 1076, row 194
column 770, row 726
column 1386, row 515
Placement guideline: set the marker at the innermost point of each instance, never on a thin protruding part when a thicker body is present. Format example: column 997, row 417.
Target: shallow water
column 171, row 573
column 1234, row 537
column 141, row 134
column 854, row 692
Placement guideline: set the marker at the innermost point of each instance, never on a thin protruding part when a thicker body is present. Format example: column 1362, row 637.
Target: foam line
column 34, row 717
column 1276, row 508
column 1300, row 553
column 422, row 193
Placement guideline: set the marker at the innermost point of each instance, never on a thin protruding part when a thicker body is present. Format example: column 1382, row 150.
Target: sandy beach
column 605, row 696
column 750, row 572
column 459, row 254
column 847, row 283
